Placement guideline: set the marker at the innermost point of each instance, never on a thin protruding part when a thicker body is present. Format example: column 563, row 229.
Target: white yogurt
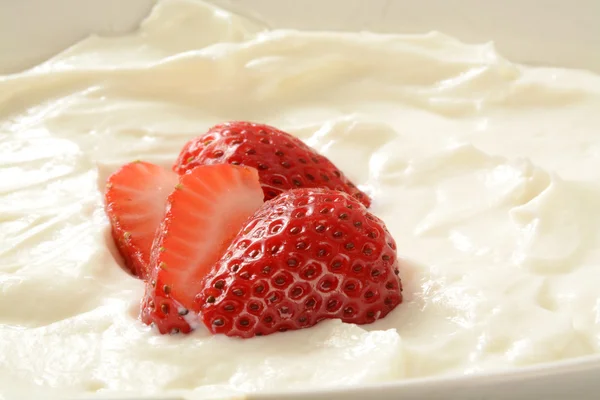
column 486, row 172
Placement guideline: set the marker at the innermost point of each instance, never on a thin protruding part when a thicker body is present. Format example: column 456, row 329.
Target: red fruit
column 203, row 215
column 305, row 256
column 164, row 312
column 135, row 204
column 283, row 161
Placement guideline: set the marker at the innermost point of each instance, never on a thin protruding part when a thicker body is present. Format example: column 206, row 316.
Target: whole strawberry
column 283, row 161
column 307, row 255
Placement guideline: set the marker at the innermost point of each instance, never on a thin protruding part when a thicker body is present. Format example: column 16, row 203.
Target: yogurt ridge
column 486, row 172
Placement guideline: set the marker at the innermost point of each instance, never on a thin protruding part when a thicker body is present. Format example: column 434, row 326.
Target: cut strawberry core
column 203, row 215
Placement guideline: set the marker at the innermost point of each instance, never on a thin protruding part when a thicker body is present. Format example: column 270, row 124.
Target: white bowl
column 528, row 31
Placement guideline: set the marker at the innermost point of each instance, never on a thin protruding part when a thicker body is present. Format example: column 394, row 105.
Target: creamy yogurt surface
column 486, row 172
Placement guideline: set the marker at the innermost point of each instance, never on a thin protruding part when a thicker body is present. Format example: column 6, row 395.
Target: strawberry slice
column 135, row 202
column 203, row 215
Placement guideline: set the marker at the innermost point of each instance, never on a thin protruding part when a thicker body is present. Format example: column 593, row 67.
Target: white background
column 554, row 32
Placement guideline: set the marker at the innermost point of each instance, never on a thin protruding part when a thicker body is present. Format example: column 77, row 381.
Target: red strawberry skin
column 305, row 256
column 159, row 309
column 283, row 161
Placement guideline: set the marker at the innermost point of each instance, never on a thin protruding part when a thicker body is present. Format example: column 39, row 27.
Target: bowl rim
column 541, row 372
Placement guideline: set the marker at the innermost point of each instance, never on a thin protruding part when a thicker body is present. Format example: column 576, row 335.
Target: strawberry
column 283, row 161
column 203, row 215
column 135, row 202
column 305, row 256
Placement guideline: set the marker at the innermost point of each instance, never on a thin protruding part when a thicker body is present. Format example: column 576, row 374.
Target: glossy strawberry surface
column 307, row 255
column 283, row 161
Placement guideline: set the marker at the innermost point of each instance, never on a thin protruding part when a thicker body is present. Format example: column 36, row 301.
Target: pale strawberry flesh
column 135, row 202
column 203, row 215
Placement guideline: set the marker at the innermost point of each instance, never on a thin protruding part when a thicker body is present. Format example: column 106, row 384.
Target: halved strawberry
column 283, row 161
column 203, row 215
column 135, row 202
column 305, row 256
